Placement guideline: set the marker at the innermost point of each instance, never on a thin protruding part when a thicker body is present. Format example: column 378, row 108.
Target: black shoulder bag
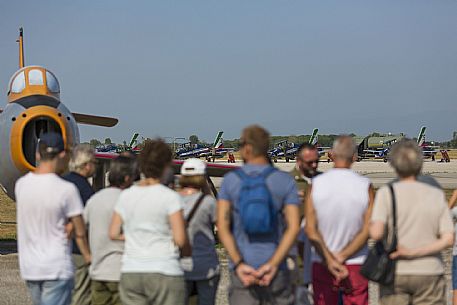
column 379, row 267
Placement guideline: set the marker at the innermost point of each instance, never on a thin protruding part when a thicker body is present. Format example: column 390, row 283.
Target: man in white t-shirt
column 45, row 203
column 338, row 211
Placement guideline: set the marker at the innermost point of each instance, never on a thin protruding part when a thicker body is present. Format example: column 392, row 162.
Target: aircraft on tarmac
column 113, row 148
column 284, row 149
column 217, row 150
column 428, row 151
column 34, row 108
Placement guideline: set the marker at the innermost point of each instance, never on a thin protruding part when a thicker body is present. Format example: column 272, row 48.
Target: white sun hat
column 193, row 167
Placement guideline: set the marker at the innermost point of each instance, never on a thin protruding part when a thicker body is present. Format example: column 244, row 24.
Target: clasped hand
column 250, row 276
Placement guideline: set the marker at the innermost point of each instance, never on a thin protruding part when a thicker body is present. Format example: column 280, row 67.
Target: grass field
column 8, row 216
column 452, row 154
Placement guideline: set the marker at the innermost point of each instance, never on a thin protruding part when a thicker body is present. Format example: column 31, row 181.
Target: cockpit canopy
column 33, row 80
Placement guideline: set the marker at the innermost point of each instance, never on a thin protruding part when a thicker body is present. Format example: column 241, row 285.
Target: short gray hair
column 406, row 158
column 344, row 148
column 80, row 156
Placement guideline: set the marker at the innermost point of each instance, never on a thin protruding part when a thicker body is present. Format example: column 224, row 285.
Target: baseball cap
column 193, row 167
column 53, row 142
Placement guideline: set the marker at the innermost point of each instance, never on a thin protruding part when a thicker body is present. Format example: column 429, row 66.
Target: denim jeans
column 50, row 292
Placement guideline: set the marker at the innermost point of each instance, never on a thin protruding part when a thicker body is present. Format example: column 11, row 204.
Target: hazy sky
column 175, row 68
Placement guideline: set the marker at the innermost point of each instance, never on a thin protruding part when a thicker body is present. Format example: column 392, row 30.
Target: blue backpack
column 255, row 203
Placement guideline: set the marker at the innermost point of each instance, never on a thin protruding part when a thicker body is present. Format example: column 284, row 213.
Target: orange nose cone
column 27, row 128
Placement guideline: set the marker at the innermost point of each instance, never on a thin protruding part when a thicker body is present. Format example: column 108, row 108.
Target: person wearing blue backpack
column 258, row 222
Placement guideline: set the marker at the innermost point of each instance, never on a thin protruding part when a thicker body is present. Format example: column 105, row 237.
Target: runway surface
column 381, row 173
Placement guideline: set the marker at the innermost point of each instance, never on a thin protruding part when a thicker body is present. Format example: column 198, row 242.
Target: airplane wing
column 371, row 151
column 89, row 119
column 106, row 155
column 213, row 170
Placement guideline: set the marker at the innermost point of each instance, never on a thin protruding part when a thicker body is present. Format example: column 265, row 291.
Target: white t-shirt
column 149, row 245
column 45, row 202
column 340, row 198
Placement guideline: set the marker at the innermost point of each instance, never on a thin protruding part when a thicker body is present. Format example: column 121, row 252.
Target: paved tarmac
column 380, row 173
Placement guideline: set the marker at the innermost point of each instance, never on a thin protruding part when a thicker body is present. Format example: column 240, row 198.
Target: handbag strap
column 393, row 245
column 194, row 209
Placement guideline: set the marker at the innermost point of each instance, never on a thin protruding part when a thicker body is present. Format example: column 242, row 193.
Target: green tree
column 95, row 143
column 193, row 139
column 108, row 141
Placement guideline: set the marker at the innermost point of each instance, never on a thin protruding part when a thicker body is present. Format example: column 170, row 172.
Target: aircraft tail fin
column 218, row 142
column 133, row 140
column 421, row 137
column 20, row 40
column 314, row 137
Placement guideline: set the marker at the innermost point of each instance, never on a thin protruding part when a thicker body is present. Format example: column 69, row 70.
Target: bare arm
column 246, row 274
column 178, row 229
column 377, row 230
column 337, row 269
column 267, row 272
column 453, row 199
column 115, row 227
column 312, row 230
column 223, row 230
column 80, row 237
column 360, row 239
column 446, row 240
column 291, row 215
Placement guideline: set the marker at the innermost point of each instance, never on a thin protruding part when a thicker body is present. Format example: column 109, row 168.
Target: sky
column 177, row 68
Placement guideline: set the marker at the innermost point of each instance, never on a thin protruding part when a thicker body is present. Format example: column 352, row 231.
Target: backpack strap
column 393, row 244
column 194, row 209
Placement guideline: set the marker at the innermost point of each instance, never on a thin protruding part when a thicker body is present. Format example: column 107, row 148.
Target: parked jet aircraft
column 428, row 151
column 288, row 151
column 113, row 148
column 217, row 150
column 34, row 107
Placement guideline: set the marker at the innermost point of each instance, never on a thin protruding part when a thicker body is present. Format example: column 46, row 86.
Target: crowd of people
column 291, row 238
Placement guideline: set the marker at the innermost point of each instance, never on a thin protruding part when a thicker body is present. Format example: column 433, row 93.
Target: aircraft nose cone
column 28, row 127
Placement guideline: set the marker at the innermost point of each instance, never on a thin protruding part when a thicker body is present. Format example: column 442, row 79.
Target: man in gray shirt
column 107, row 254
